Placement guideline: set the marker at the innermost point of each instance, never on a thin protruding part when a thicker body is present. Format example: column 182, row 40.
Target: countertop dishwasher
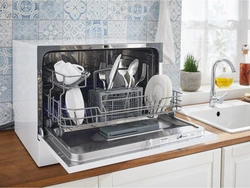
column 106, row 116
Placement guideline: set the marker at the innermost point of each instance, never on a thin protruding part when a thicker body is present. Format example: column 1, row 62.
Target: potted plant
column 190, row 77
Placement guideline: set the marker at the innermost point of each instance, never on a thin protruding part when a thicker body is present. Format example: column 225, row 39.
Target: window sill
column 202, row 95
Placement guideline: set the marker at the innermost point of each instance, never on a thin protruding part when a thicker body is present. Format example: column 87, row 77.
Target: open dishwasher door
column 87, row 149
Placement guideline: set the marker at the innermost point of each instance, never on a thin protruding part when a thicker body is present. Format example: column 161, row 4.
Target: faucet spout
column 213, row 99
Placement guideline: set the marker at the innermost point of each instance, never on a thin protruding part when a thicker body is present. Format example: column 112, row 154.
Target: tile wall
column 78, row 20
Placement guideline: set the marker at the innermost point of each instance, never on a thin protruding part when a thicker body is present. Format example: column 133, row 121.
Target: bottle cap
column 245, row 49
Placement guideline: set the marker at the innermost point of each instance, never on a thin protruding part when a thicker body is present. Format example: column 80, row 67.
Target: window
column 214, row 29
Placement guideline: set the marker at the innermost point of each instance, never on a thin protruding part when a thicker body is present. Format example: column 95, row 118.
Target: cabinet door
column 197, row 170
column 88, row 182
column 236, row 165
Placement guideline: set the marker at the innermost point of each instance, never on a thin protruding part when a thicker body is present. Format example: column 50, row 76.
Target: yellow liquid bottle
column 224, row 80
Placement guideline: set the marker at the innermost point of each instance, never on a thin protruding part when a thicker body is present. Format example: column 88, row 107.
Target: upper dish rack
column 104, row 107
column 51, row 75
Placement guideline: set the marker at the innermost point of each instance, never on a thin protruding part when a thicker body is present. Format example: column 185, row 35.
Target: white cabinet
column 197, row 170
column 88, row 182
column 236, row 165
column 226, row 167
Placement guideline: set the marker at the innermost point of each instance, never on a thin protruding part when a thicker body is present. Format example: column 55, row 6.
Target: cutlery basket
column 117, row 103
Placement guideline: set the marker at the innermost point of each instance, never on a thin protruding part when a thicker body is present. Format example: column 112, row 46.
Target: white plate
column 169, row 89
column 118, row 80
column 113, row 71
column 74, row 101
column 158, row 87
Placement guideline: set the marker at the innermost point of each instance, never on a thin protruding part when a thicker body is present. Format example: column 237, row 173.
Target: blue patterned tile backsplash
column 5, row 33
column 51, row 9
column 50, row 29
column 175, row 8
column 79, row 20
column 137, row 30
column 5, row 61
column 5, row 113
column 96, row 29
column 117, row 30
column 25, row 9
column 5, row 88
column 118, row 9
column 75, row 9
column 25, row 29
column 97, row 10
column 137, row 10
column 5, row 9
column 151, row 30
column 74, row 30
column 153, row 10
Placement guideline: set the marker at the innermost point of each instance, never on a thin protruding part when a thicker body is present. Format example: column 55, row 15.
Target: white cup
column 68, row 73
column 58, row 69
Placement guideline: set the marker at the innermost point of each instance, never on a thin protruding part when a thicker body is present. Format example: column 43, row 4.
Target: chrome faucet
column 213, row 99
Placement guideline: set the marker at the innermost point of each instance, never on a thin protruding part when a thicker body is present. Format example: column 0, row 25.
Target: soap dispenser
column 224, row 79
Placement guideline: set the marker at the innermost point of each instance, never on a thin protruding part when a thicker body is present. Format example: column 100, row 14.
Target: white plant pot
column 190, row 81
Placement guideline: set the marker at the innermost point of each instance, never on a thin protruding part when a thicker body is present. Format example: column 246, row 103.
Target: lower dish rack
column 106, row 107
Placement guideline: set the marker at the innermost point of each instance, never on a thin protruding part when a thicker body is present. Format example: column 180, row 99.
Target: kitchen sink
column 232, row 116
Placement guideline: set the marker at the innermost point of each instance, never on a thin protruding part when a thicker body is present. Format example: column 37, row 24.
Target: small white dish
column 158, row 88
column 246, row 99
column 75, row 105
